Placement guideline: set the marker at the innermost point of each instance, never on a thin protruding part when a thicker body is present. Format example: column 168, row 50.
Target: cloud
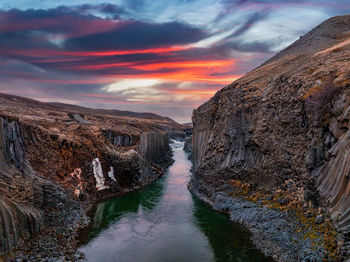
column 135, row 35
column 104, row 8
column 249, row 23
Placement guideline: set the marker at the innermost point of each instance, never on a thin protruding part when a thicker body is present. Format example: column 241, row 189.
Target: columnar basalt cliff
column 27, row 201
column 21, row 195
column 154, row 146
column 277, row 142
column 55, row 160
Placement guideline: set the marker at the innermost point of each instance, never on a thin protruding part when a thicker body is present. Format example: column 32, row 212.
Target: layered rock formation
column 284, row 128
column 19, row 195
column 120, row 139
column 23, row 194
column 55, row 160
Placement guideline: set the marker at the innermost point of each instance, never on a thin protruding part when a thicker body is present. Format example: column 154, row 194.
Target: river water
column 164, row 223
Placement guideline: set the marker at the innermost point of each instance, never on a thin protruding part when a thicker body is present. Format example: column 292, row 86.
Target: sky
column 160, row 56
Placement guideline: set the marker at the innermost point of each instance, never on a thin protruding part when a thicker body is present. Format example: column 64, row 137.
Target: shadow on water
column 108, row 211
column 165, row 223
column 228, row 240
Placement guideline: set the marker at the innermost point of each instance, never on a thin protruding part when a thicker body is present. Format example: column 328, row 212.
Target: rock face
column 154, row 146
column 55, row 160
column 21, row 193
column 284, row 127
column 188, row 147
column 333, row 182
column 120, row 139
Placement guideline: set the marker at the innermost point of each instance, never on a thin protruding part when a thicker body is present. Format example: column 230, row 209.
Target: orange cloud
column 185, row 76
column 185, row 64
column 159, row 65
column 200, row 71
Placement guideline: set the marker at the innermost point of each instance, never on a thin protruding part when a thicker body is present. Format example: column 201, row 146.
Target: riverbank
column 276, row 231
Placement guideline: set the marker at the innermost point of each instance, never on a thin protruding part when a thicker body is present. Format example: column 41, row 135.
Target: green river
column 164, row 222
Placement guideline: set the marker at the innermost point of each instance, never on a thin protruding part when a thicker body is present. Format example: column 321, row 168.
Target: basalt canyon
column 261, row 174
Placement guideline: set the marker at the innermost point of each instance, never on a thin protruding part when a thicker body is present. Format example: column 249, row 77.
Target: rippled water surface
column 164, row 222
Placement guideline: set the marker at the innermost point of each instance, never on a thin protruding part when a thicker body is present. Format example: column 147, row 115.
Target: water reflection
column 164, row 223
column 111, row 210
column 229, row 241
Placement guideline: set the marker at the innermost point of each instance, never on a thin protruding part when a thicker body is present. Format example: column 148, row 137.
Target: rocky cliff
column 154, row 146
column 278, row 140
column 21, row 194
column 188, row 147
column 55, row 161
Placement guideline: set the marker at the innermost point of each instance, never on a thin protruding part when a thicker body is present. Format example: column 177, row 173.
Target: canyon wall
column 120, row 139
column 23, row 195
column 154, row 146
column 282, row 130
column 330, row 154
column 188, row 147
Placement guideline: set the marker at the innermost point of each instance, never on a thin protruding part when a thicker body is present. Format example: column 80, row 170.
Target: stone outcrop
column 188, row 147
column 332, row 173
column 120, row 139
column 21, row 194
column 284, row 128
column 154, row 146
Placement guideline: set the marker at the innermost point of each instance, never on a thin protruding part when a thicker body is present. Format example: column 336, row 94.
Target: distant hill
column 142, row 115
column 35, row 103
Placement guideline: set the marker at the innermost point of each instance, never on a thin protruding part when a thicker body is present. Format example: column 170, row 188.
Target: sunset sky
column 166, row 57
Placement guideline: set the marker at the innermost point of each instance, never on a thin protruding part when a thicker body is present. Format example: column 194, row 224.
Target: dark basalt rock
column 20, row 194
column 154, row 146
column 120, row 139
column 188, row 147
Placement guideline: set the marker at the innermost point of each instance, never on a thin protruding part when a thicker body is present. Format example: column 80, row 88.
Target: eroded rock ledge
column 281, row 131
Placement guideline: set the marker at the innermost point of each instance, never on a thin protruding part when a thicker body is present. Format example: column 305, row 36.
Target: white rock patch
column 100, row 180
column 111, row 174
